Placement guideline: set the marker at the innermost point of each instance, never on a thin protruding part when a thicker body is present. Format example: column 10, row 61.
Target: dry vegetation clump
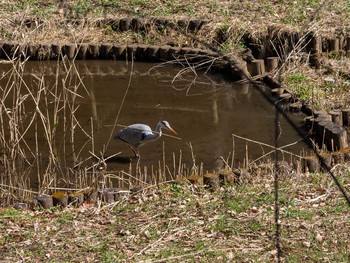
column 323, row 88
column 184, row 223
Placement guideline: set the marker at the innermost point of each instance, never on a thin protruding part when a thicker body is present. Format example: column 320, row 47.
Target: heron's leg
column 135, row 152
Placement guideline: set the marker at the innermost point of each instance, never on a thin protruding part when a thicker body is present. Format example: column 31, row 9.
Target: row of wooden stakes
column 212, row 181
column 81, row 51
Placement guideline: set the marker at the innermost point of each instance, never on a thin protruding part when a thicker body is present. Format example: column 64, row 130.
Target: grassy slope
column 175, row 223
column 239, row 16
column 327, row 18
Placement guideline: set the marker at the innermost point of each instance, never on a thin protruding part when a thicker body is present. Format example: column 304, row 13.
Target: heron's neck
column 158, row 130
column 154, row 135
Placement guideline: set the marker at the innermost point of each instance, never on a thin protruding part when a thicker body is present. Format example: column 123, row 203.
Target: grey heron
column 137, row 135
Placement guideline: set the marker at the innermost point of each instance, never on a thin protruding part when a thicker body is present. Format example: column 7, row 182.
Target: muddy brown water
column 204, row 109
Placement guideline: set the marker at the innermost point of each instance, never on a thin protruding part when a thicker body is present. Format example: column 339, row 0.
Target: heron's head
column 167, row 126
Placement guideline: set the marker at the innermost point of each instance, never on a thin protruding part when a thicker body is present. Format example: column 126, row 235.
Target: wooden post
column 285, row 96
column 195, row 25
column 212, row 181
column 323, row 117
column 341, row 43
column 319, row 112
column 153, row 53
column 31, row 51
column 226, row 176
column 347, row 44
column 271, row 63
column 81, row 51
column 337, row 117
column 131, row 51
column 45, row 201
column 106, row 51
column 56, row 50
column 340, row 138
column 191, row 54
column 60, row 199
column 124, row 24
column 257, row 67
column 137, row 24
column 174, row 52
column 296, row 106
column 92, row 197
column 326, row 161
column 43, row 52
column 93, row 51
column 141, row 52
column 328, row 135
column 119, row 51
column 76, row 198
column 307, row 110
column 309, row 123
column 107, row 195
column 321, row 132
column 195, row 179
column 240, row 70
column 69, row 50
column 161, row 23
column 333, row 45
column 164, row 53
column 319, row 127
column 315, row 50
column 316, row 44
column 346, row 117
column 311, row 164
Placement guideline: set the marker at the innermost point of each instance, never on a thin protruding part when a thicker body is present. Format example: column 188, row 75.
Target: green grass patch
column 65, row 217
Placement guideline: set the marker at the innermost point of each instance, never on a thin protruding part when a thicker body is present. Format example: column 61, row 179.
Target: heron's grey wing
column 134, row 134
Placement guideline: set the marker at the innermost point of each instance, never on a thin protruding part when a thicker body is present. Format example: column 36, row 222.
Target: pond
column 206, row 110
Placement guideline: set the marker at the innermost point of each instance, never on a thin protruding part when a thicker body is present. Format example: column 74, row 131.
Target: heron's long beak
column 172, row 130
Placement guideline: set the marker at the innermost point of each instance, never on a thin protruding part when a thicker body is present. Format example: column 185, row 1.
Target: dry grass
column 45, row 147
column 182, row 223
column 324, row 88
column 37, row 21
column 74, row 21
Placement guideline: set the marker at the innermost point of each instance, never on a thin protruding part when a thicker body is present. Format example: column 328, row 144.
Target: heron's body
column 137, row 135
